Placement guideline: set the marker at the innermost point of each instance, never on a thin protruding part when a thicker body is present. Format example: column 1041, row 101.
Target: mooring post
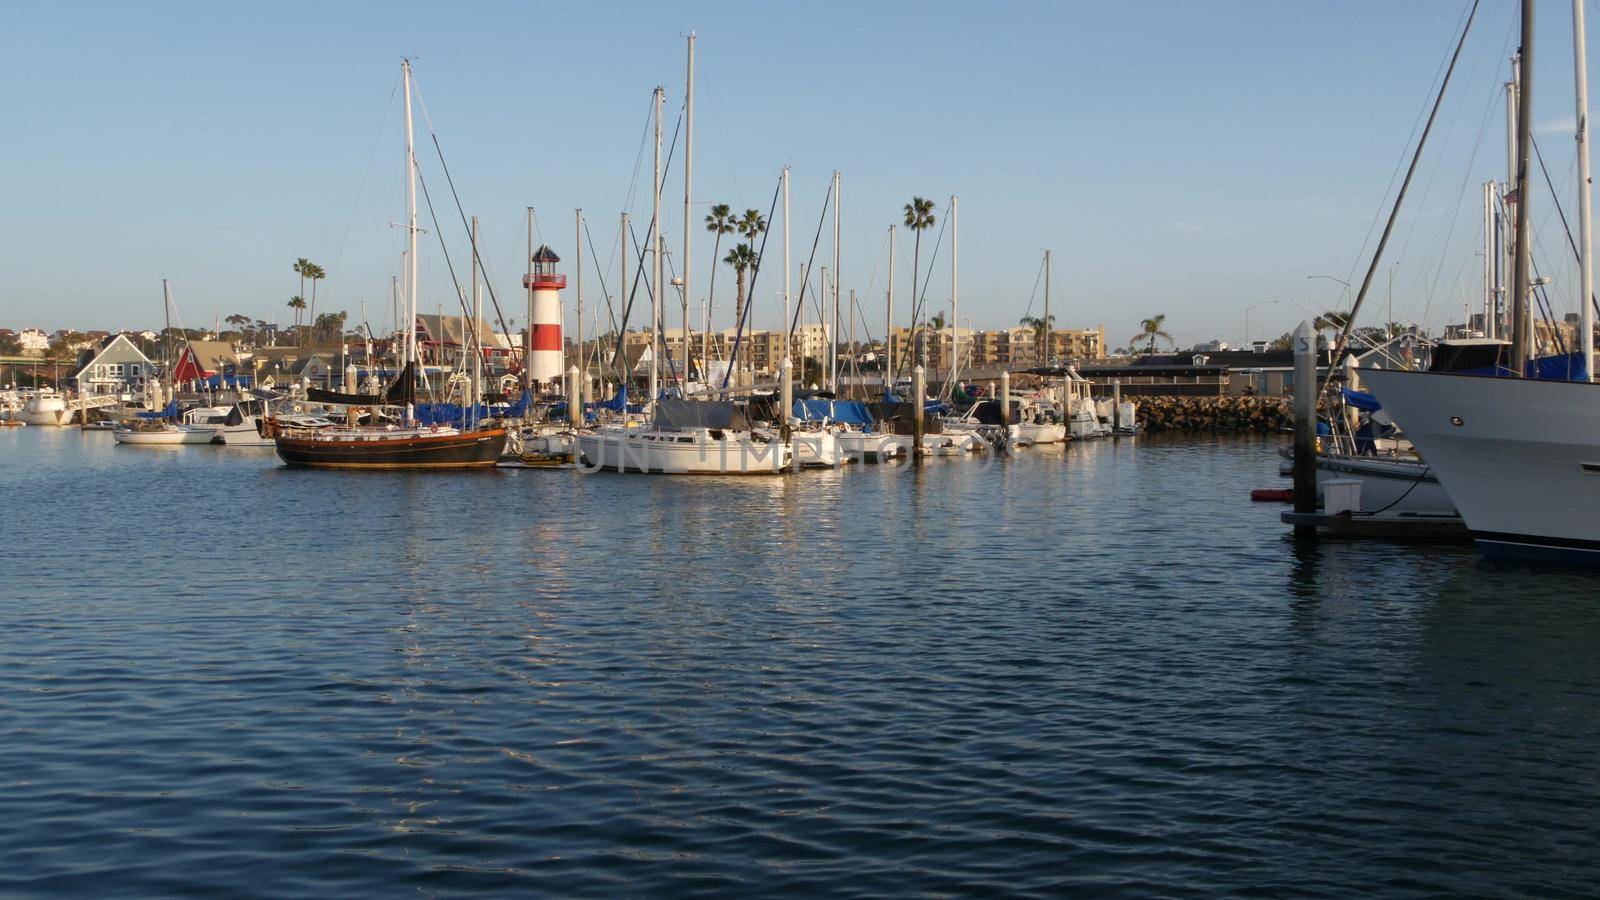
column 1305, row 426
column 574, row 398
column 786, row 408
column 1005, row 400
column 919, row 393
column 1116, row 406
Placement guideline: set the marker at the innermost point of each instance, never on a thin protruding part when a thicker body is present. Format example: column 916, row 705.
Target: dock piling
column 1305, row 425
column 919, row 393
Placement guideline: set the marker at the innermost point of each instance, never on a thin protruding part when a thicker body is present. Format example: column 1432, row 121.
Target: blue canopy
column 171, row 412
column 848, row 412
column 1361, row 400
column 1562, row 367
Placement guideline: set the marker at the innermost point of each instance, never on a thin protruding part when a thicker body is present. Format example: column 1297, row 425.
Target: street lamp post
column 1247, row 309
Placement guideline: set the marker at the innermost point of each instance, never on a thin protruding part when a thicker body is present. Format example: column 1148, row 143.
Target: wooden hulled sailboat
column 409, row 444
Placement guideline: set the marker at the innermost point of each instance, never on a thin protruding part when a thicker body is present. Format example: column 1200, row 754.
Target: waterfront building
column 116, row 367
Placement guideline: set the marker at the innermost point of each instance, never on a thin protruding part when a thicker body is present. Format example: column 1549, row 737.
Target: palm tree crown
column 919, row 218
column 1150, row 329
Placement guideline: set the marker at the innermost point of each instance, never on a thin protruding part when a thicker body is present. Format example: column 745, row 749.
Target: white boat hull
column 870, row 447
column 177, row 434
column 666, row 452
column 1390, row 485
column 817, row 449
column 46, row 412
column 1520, row 457
column 1040, row 434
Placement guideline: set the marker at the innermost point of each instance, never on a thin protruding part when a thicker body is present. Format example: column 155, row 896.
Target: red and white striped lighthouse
column 544, row 337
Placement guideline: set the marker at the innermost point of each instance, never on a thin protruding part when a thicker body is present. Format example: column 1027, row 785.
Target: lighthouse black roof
column 545, row 254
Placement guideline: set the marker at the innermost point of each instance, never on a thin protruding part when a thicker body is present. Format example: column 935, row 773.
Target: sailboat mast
column 1580, row 54
column 833, row 337
column 888, row 321
column 583, row 360
column 1488, row 259
column 955, row 297
column 1521, row 320
column 410, row 324
column 788, row 336
column 688, row 195
column 1044, row 352
column 624, row 370
column 476, row 343
column 166, row 335
column 527, row 340
column 1503, row 301
column 656, row 343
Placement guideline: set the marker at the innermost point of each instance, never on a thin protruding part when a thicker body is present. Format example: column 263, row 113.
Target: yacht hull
column 462, row 450
column 1520, row 457
column 646, row 451
column 1391, row 485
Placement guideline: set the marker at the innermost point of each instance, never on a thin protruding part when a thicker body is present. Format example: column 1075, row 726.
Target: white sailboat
column 1519, row 456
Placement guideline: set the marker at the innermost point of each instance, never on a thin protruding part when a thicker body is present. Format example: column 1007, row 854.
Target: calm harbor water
column 1096, row 670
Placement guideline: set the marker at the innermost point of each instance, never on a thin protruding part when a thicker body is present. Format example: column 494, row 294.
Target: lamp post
column 1247, row 320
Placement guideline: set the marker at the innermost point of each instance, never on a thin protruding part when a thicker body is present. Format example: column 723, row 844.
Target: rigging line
column 1028, row 313
column 1461, row 194
column 605, row 292
column 633, row 292
column 755, row 274
column 1555, row 200
column 1377, row 212
column 460, row 297
column 1436, row 167
column 372, row 162
column 933, row 257
column 439, row 150
column 805, row 276
column 1388, row 228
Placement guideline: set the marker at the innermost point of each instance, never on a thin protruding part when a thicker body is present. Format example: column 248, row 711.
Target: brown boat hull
column 473, row 449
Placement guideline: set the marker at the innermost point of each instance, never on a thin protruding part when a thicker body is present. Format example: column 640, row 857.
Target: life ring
column 434, row 428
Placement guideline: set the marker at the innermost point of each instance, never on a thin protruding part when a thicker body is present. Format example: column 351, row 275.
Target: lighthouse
column 544, row 326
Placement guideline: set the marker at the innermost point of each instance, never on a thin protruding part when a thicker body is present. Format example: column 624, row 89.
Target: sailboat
column 408, row 445
column 1519, row 455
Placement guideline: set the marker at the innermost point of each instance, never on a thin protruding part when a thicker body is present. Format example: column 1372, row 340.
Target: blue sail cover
column 1562, row 367
column 171, row 412
column 846, row 412
column 1361, row 400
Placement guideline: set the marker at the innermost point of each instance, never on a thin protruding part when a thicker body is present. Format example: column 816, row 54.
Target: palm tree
column 1041, row 334
column 316, row 273
column 302, row 267
column 751, row 224
column 297, row 303
column 743, row 259
column 719, row 222
column 919, row 218
column 1150, row 329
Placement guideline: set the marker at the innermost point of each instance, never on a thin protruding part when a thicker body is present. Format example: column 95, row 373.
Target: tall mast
column 476, row 344
column 625, row 370
column 583, row 359
column 833, row 337
column 1502, row 323
column 656, row 343
column 1580, row 53
column 166, row 336
column 788, row 337
column 688, row 194
column 888, row 321
column 411, row 238
column 1488, row 259
column 955, row 298
column 1521, row 321
column 527, row 343
column 1044, row 352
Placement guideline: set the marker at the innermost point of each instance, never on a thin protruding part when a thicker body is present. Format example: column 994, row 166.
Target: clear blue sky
column 1179, row 158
